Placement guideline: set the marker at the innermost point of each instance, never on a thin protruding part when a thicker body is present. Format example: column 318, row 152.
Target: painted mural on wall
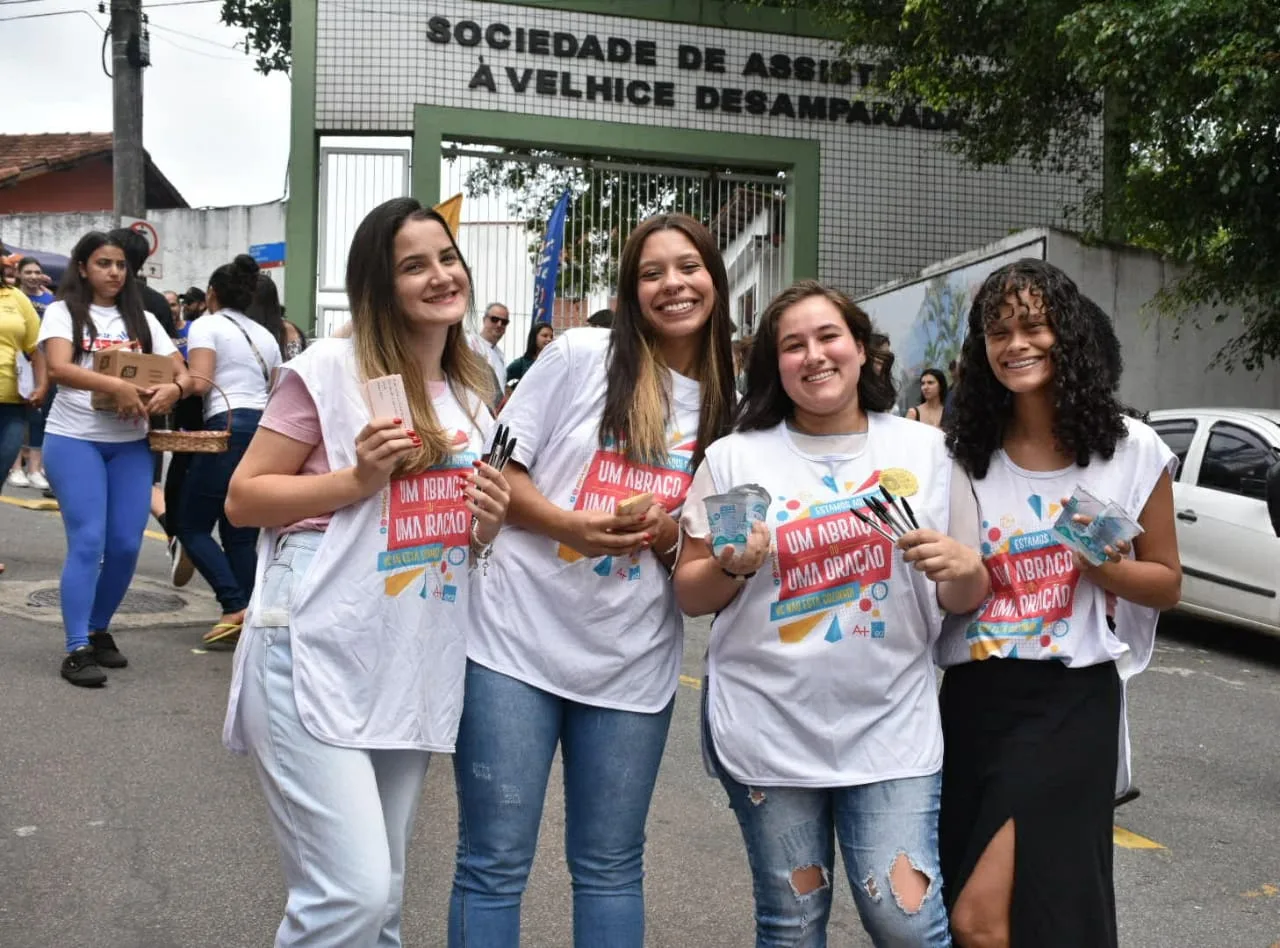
column 926, row 319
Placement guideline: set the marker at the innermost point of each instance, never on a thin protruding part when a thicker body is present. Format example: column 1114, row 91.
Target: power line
column 36, row 16
column 200, row 52
column 178, row 3
column 170, row 29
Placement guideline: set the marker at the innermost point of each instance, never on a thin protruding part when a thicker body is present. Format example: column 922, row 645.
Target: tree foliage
column 1191, row 141
column 268, row 30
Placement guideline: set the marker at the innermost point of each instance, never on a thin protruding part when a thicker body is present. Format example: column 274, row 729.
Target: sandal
column 222, row 632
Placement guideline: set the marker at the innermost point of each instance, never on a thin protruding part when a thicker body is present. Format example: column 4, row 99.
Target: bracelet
column 675, row 546
column 738, row 577
column 481, row 550
column 182, row 392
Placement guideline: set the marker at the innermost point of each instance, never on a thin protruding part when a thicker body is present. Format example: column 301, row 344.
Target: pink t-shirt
column 291, row 411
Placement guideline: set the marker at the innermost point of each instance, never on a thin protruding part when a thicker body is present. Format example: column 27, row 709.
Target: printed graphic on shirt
column 1033, row 585
column 428, row 527
column 831, row 570
column 609, row 478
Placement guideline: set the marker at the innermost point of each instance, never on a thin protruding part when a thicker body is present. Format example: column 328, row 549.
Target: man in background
column 192, row 303
column 493, row 326
column 601, row 319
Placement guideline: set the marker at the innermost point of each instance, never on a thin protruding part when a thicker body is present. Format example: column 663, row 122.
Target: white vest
column 821, row 669
column 377, row 625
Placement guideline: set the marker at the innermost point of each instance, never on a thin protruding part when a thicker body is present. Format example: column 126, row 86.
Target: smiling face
column 496, row 320
column 30, row 277
column 675, row 289
column 1019, row 341
column 819, row 362
column 544, row 337
column 105, row 272
column 432, row 286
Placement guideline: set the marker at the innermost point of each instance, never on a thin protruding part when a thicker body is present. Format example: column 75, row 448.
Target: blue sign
column 268, row 255
column 544, row 283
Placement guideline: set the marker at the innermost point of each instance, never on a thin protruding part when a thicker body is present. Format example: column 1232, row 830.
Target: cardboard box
column 139, row 368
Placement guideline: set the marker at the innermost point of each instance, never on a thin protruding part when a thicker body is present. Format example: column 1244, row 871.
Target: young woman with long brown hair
column 349, row 670
column 577, row 642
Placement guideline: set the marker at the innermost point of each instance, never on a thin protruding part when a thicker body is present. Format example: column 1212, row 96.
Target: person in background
column 1030, row 718
column 540, row 336
column 350, row 670
column 821, row 710
column 19, row 331
column 268, row 313
column 493, row 327
column 933, row 396
column 98, row 461
column 238, row 354
column 9, row 269
column 192, row 303
column 589, row 661
column 601, row 319
column 953, row 370
column 179, row 323
column 28, row 468
column 34, row 283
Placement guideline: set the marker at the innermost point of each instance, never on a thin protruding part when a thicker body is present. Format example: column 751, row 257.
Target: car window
column 1236, row 461
column 1178, row 435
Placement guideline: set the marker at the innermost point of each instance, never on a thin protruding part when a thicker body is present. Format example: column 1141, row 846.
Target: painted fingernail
column 476, row 465
column 397, row 421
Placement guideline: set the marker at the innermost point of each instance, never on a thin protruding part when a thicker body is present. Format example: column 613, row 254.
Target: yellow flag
column 451, row 211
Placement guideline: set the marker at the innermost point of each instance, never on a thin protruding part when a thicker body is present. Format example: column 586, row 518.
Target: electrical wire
column 201, row 52
column 106, row 36
column 37, row 16
column 178, row 3
column 170, row 29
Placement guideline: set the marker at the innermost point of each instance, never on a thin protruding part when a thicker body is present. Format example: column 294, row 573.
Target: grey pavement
column 124, row 823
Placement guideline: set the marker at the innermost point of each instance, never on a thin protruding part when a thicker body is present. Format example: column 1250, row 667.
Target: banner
column 544, row 283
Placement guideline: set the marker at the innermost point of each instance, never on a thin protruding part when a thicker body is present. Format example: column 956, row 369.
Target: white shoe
column 18, row 478
column 38, row 480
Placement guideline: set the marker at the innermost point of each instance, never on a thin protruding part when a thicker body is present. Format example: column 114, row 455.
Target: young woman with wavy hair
column 577, row 643
column 821, row 713
column 350, row 667
column 1033, row 695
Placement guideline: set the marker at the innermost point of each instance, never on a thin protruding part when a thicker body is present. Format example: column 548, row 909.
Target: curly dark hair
column 766, row 403
column 1088, row 418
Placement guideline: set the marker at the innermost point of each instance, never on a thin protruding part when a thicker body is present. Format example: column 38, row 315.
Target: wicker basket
column 193, row 442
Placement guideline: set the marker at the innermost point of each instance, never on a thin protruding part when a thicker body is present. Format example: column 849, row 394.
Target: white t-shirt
column 604, row 631
column 1040, row 605
column 492, row 355
column 72, row 416
column 820, row 670
column 236, row 370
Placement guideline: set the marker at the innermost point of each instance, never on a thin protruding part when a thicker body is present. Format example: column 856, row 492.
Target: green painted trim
column 713, row 13
column 301, row 224
column 433, row 125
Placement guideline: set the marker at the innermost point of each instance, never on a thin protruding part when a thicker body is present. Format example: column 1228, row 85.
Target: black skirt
column 1035, row 742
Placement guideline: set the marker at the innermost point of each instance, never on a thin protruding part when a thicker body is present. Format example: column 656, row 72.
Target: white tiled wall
column 892, row 198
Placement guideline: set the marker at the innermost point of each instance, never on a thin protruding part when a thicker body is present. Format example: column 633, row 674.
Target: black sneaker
column 180, row 565
column 105, row 652
column 81, row 668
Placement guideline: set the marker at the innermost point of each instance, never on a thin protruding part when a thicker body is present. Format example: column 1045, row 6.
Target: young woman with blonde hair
column 349, row 671
column 577, row 642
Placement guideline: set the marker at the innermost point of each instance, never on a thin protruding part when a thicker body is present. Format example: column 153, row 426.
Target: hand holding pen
column 931, row 552
column 487, row 491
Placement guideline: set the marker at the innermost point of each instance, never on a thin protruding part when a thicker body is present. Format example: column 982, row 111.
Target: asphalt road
column 124, row 824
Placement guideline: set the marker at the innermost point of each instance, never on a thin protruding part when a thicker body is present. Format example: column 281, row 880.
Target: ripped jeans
column 788, row 829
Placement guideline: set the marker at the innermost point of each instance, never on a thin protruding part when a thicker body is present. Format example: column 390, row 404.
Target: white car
column 1227, row 518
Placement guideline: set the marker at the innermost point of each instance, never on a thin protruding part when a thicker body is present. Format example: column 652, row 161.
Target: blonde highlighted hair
column 381, row 338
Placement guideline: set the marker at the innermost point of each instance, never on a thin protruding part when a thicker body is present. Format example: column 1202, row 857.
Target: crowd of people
column 397, row 589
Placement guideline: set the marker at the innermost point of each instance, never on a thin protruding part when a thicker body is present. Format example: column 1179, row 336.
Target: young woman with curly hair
column 1033, row 696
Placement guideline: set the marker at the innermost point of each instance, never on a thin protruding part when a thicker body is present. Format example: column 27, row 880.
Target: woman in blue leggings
column 98, row 461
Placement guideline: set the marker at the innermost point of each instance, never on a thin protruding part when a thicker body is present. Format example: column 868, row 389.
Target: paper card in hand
column 387, row 398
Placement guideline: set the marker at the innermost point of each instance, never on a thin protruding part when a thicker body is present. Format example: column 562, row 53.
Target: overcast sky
column 214, row 126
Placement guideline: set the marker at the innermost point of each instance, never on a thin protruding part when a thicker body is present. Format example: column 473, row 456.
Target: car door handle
column 1188, row 516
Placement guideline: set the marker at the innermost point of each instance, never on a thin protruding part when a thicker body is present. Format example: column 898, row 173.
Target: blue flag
column 544, row 282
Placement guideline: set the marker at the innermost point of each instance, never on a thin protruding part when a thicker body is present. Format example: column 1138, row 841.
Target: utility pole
column 130, row 54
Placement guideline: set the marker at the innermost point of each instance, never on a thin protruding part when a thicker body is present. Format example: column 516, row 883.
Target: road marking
column 694, row 683
column 42, row 503
column 155, row 535
column 1268, row 891
column 1127, row 840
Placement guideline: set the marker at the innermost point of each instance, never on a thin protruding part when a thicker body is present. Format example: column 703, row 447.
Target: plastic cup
column 1110, row 526
column 731, row 514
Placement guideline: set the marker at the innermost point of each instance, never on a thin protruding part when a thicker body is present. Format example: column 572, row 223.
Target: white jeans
column 342, row 817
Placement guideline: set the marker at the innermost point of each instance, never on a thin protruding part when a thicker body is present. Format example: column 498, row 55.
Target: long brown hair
column 77, row 292
column 380, row 331
column 638, row 401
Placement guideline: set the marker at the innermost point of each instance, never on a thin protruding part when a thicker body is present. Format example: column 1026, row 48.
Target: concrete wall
column 1165, row 367
column 193, row 242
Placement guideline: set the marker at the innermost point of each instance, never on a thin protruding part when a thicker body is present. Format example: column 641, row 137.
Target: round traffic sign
column 147, row 230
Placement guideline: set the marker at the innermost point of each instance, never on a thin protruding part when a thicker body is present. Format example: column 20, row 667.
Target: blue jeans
column 13, row 428
column 787, row 829
column 104, row 495
column 506, row 743
column 342, row 817
column 228, row 569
